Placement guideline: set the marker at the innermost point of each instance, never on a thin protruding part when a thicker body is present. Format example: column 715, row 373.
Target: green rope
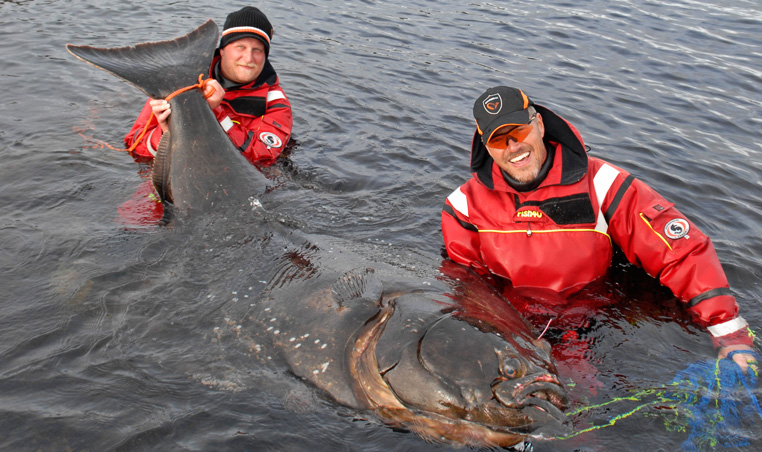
column 706, row 392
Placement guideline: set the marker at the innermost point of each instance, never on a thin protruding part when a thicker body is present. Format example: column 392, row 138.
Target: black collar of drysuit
column 557, row 130
column 267, row 76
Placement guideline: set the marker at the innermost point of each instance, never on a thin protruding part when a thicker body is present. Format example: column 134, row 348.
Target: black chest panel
column 249, row 105
column 574, row 209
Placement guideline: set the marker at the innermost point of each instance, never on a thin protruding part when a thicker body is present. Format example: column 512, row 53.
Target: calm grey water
column 107, row 344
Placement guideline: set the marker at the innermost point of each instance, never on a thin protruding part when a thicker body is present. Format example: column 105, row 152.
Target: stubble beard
column 524, row 174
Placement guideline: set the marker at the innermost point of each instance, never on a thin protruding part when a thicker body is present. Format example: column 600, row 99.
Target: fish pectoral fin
column 160, row 172
column 358, row 284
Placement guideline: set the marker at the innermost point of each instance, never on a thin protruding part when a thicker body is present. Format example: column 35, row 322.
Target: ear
column 540, row 125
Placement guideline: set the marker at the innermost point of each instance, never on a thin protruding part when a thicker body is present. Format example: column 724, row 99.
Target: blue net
column 718, row 400
column 712, row 401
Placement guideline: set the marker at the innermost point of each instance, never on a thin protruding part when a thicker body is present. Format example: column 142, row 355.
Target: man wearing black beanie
column 247, row 99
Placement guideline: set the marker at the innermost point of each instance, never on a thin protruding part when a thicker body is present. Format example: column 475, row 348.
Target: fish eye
column 511, row 368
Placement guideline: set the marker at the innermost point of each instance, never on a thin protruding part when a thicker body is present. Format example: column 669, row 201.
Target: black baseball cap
column 500, row 106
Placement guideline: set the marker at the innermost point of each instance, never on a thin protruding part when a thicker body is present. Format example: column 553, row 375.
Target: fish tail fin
column 157, row 68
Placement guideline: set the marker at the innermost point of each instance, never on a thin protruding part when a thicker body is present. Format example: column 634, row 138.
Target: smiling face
column 242, row 60
column 520, row 157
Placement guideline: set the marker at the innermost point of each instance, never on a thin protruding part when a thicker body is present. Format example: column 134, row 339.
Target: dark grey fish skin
column 451, row 361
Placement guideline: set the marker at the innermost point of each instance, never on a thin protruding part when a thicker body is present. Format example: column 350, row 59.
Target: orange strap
column 200, row 85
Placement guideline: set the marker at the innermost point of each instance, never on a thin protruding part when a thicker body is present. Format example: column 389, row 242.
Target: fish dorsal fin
column 160, row 172
column 359, row 284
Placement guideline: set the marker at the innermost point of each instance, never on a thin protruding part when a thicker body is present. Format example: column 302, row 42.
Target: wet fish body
column 452, row 361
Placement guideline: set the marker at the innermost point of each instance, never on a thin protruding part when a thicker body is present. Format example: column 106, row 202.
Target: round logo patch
column 270, row 139
column 677, row 228
column 493, row 104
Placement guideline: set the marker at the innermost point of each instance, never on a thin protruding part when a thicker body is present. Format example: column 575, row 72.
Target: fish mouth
column 491, row 425
column 537, row 412
column 540, row 398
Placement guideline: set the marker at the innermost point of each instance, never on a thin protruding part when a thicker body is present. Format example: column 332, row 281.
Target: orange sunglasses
column 518, row 133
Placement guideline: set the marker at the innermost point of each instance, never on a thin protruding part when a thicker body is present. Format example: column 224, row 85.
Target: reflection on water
column 107, row 333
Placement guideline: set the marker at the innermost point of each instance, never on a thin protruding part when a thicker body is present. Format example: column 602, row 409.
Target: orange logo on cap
column 493, row 104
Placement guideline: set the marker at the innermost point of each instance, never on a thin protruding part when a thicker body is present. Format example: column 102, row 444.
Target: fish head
column 457, row 377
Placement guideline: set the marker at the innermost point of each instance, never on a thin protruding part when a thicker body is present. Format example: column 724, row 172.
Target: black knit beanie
column 248, row 22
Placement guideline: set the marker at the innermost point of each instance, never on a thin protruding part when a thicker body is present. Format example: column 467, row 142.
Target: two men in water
column 542, row 214
column 244, row 93
column 538, row 210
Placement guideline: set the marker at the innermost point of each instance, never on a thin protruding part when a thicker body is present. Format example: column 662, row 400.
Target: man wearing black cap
column 247, row 99
column 542, row 214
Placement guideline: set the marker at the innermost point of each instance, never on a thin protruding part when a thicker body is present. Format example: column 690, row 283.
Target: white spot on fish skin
column 305, row 336
column 324, row 346
column 235, row 292
column 292, row 339
column 324, row 367
column 216, row 328
column 268, row 309
column 269, row 329
column 273, row 319
column 317, row 341
column 298, row 345
column 238, row 327
column 276, row 332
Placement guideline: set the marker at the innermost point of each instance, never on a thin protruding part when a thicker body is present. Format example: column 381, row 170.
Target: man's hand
column 214, row 90
column 162, row 111
column 745, row 361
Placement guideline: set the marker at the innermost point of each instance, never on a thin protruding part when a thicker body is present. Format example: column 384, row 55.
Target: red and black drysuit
column 559, row 232
column 256, row 117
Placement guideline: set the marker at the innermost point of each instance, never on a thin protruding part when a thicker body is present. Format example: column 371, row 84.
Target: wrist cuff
column 149, row 146
column 729, row 327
